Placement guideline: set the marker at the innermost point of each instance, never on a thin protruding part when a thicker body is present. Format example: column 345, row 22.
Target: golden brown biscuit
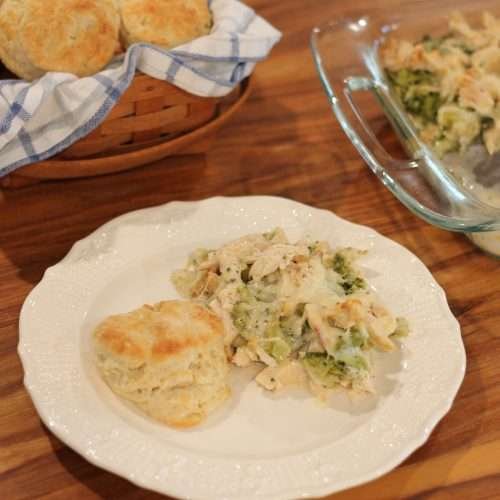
column 73, row 36
column 166, row 23
column 168, row 359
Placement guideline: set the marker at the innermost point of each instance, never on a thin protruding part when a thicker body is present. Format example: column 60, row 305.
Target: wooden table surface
column 285, row 142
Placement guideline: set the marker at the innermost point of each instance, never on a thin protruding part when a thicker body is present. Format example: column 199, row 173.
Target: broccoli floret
column 350, row 281
column 410, row 85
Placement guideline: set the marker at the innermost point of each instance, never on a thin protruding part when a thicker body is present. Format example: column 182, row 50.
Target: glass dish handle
column 367, row 140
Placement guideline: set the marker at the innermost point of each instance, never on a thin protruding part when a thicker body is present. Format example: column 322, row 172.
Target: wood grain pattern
column 283, row 142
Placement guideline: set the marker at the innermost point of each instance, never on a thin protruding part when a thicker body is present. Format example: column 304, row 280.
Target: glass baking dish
column 346, row 53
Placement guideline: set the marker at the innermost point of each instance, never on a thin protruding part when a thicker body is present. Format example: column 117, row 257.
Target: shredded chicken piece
column 398, row 54
column 475, row 38
column 473, row 95
column 492, row 138
column 264, row 357
column 288, row 374
column 243, row 357
column 381, row 324
column 318, row 320
column 275, row 257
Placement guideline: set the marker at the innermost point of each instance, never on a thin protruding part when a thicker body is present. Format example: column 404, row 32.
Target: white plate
column 258, row 446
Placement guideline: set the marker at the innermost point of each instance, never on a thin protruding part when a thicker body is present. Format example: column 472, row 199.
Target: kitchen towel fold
column 44, row 117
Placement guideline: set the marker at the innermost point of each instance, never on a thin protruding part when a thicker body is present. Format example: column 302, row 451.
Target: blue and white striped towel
column 41, row 119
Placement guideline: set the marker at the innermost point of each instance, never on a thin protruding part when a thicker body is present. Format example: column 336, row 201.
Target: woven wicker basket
column 152, row 120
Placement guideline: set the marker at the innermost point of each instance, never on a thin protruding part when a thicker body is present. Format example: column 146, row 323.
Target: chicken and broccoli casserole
column 303, row 310
column 450, row 84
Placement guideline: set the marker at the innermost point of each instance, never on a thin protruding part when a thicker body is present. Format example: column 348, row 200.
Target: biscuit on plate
column 168, row 359
column 166, row 23
column 72, row 36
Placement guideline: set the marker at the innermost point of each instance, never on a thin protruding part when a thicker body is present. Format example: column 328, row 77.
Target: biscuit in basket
column 168, row 359
column 166, row 23
column 73, row 36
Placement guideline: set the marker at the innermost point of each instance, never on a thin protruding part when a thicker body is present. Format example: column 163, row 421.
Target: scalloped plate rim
column 285, row 493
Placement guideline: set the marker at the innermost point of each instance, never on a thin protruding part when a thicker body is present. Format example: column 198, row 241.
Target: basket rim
column 65, row 169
